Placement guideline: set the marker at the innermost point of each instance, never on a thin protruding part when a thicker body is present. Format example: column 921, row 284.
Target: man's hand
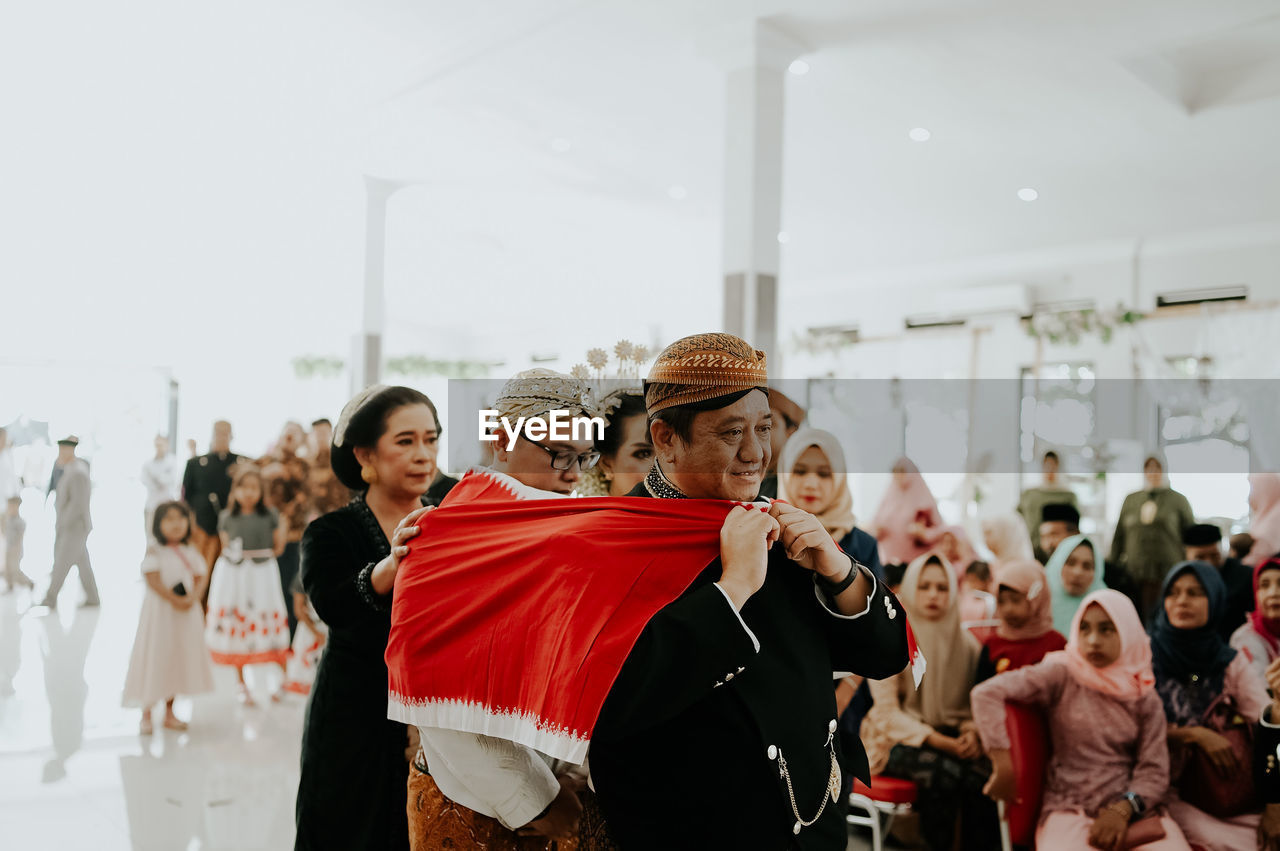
column 1110, row 827
column 745, row 539
column 808, row 544
column 561, row 820
column 845, row 690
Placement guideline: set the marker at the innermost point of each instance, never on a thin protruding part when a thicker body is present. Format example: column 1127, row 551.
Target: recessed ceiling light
column 561, row 145
column 799, row 67
column 1026, row 193
column 677, row 192
column 784, row 237
column 919, row 134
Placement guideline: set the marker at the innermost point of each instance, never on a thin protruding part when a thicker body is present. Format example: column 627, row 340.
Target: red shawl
column 515, row 608
column 513, row 618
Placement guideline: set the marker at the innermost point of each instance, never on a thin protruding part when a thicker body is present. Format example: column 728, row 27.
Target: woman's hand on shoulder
column 383, row 578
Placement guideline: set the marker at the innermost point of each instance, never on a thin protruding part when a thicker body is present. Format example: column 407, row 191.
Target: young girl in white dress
column 246, row 622
column 168, row 651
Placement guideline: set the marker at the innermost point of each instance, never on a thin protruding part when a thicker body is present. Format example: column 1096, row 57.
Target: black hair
column 980, row 570
column 162, row 511
column 680, row 417
column 1050, row 454
column 631, row 405
column 321, row 421
column 242, row 473
column 368, row 424
column 893, row 574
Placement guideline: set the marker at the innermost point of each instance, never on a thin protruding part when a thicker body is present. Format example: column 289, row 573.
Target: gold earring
column 369, row 474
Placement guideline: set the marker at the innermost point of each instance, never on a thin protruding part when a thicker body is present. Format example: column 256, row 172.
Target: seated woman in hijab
column 1194, row 668
column 1109, row 772
column 1025, row 611
column 907, row 523
column 1074, row 571
column 927, row 735
column 1006, row 536
column 1258, row 640
column 813, row 476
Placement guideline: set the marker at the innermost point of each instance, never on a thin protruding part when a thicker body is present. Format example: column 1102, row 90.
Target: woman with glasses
column 471, row 790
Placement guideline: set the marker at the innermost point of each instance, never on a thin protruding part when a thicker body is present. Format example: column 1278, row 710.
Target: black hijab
column 1177, row 654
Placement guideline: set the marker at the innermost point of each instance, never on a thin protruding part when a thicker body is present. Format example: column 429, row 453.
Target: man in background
column 206, row 486
column 787, row 418
column 160, row 478
column 72, row 526
column 327, row 493
column 1203, row 542
column 1034, row 500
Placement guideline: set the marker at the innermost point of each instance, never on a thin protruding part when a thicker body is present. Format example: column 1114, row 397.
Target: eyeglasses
column 565, row 460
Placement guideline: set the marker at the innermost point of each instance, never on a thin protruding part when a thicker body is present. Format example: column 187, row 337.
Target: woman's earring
column 369, row 474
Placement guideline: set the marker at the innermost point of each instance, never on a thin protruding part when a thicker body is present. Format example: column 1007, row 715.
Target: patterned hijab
column 1130, row 676
column 1065, row 603
column 1026, row 576
column 837, row 518
column 942, row 699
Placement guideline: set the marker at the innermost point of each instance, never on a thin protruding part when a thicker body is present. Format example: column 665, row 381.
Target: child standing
column 12, row 529
column 247, row 622
column 308, row 642
column 168, row 651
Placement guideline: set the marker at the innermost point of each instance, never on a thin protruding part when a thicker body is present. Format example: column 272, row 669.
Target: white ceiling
column 218, row 149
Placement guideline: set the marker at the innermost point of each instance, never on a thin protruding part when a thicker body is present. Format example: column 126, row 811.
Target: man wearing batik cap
column 545, row 464
column 488, row 779
column 719, row 731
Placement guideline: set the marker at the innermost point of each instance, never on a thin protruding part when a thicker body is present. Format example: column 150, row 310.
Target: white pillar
column 755, row 56
column 366, row 365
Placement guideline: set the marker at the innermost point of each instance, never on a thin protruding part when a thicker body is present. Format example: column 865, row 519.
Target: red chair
column 1029, row 750
column 887, row 796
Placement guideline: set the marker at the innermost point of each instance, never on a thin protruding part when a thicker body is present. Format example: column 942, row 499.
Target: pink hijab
column 899, row 508
column 1130, row 676
column 1026, row 576
column 1264, row 523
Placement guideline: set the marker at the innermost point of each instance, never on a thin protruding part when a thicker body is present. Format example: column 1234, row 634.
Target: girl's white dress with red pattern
column 246, row 623
column 308, row 647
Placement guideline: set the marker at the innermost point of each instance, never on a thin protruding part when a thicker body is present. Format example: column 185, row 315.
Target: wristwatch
column 1136, row 804
column 835, row 588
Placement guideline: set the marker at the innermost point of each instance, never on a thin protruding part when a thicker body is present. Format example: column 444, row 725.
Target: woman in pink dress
column 1110, row 764
column 907, row 523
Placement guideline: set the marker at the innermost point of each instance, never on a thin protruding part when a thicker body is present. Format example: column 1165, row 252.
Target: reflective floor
column 74, row 772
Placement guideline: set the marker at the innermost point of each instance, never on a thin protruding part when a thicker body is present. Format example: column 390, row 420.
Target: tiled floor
column 75, row 773
column 73, row 770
